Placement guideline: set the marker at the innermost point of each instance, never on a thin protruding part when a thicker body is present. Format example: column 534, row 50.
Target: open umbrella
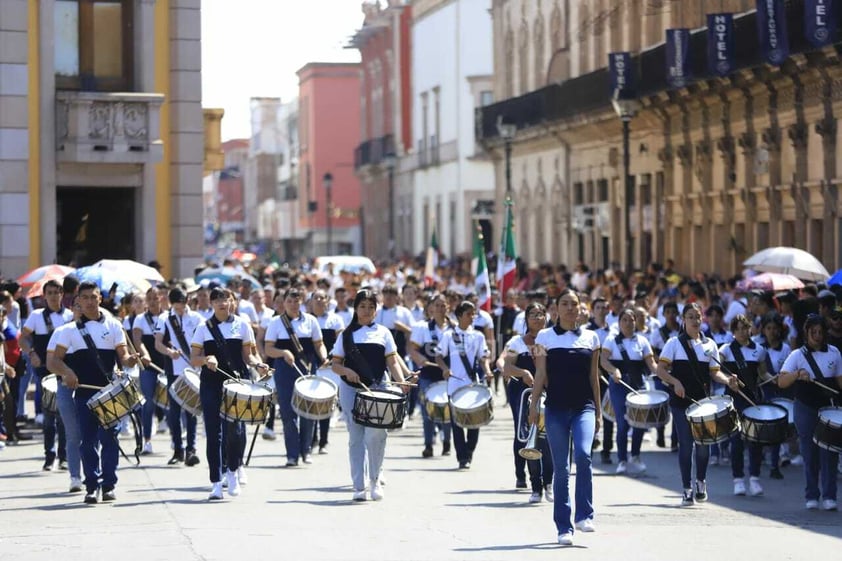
column 128, row 269
column 106, row 278
column 224, row 274
column 771, row 282
column 789, row 261
column 836, row 278
column 44, row 273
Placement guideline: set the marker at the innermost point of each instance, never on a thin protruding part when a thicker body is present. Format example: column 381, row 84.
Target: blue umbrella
column 836, row 278
column 224, row 274
column 106, row 278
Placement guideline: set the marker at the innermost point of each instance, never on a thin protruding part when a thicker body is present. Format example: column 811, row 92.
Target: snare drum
column 472, row 406
column 713, row 420
column 828, row 433
column 789, row 405
column 647, row 409
column 314, row 397
column 766, row 423
column 161, row 396
column 244, row 401
column 437, row 402
column 49, row 391
column 379, row 409
column 185, row 392
column 114, row 402
column 608, row 408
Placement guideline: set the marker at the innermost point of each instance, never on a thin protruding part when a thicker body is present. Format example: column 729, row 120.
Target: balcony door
column 95, row 223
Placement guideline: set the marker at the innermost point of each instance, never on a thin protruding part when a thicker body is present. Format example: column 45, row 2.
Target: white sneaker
column 233, row 483
column 39, row 419
column 636, row 465
column 739, row 487
column 147, row 448
column 565, row 539
column 242, row 476
column 812, row 505
column 359, row 495
column 75, row 484
column 216, row 492
column 585, row 525
column 535, row 498
column 755, row 489
column 376, row 491
column 797, row 460
column 548, row 494
column 829, row 504
column 269, row 434
column 714, row 461
column 621, row 468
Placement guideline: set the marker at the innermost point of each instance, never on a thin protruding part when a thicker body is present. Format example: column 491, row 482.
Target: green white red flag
column 507, row 259
column 479, row 267
column 432, row 259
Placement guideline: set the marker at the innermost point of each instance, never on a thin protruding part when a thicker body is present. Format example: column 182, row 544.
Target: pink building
column 329, row 130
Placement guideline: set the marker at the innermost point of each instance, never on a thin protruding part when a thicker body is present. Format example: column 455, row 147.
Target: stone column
column 797, row 134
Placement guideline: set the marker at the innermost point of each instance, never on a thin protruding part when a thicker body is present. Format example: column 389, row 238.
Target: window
column 94, row 45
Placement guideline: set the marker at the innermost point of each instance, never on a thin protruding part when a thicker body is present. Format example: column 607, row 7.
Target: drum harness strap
column 213, row 327
column 742, row 366
column 353, row 352
column 626, row 360
column 693, row 358
column 48, row 322
column 815, row 367
column 298, row 355
column 134, row 415
column 471, row 371
column 175, row 322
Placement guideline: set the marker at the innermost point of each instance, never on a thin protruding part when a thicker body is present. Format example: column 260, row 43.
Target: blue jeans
column 53, row 426
column 561, row 425
column 686, row 446
column 541, row 471
column 428, row 424
column 25, row 380
column 100, row 451
column 148, row 382
column 617, row 394
column 234, row 441
column 817, row 461
column 72, row 432
column 514, row 390
column 298, row 432
column 362, row 441
column 174, row 422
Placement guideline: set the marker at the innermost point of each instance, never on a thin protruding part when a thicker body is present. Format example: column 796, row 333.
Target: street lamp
column 626, row 109
column 390, row 161
column 327, row 181
column 507, row 132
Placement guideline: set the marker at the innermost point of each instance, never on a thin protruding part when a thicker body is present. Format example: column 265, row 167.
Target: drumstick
column 89, row 387
column 631, row 389
column 364, row 386
column 404, row 384
column 764, row 382
column 753, row 404
column 224, row 373
column 828, row 388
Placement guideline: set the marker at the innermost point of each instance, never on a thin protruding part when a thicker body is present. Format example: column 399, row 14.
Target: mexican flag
column 479, row 267
column 506, row 260
column 432, row 260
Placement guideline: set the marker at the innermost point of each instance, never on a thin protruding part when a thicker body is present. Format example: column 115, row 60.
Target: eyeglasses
column 537, row 315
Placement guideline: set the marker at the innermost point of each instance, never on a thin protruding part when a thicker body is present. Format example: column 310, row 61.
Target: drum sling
column 363, row 369
column 469, row 370
column 815, row 368
column 694, row 361
column 219, row 340
column 298, row 353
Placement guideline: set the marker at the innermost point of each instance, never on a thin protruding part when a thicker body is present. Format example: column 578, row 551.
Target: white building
column 452, row 66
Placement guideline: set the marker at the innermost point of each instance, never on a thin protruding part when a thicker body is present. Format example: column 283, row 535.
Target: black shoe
column 62, row 465
column 775, row 473
column 428, row 452
column 91, row 498
column 108, row 495
column 445, row 448
column 191, row 459
column 606, row 458
column 468, row 464
column 596, row 444
column 177, row 458
column 49, row 463
column 21, row 436
column 521, row 484
column 464, row 465
column 661, row 442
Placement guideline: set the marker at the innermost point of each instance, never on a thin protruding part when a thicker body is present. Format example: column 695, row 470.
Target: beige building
column 101, row 133
column 721, row 168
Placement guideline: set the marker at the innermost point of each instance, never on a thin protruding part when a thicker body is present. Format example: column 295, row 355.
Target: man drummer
column 35, row 335
column 172, row 335
column 84, row 358
column 331, row 325
column 143, row 337
column 466, row 352
column 222, row 346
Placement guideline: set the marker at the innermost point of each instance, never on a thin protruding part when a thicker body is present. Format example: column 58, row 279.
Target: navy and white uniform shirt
column 245, row 307
column 36, row 324
column 189, row 323
column 525, row 359
column 330, row 324
column 148, row 324
column 306, row 328
column 347, row 315
column 417, row 312
column 375, row 344
column 720, row 337
column 206, row 313
column 427, row 335
column 657, row 339
column 265, row 316
column 569, row 358
column 107, row 335
column 519, row 324
column 455, row 342
column 753, row 356
column 638, row 349
column 237, row 334
column 696, row 383
column 483, row 320
column 829, row 362
column 775, row 356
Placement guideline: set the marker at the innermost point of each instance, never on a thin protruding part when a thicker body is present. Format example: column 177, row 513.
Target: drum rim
column 829, row 422
column 766, row 404
column 631, row 396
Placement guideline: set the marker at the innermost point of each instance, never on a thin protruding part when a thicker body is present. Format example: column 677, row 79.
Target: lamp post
column 327, row 181
column 390, row 161
column 507, row 132
column 626, row 109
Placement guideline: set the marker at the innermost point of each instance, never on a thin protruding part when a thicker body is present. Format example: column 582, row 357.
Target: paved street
column 431, row 511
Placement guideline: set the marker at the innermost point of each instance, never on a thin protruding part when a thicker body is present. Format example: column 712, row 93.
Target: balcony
column 113, row 128
column 371, row 152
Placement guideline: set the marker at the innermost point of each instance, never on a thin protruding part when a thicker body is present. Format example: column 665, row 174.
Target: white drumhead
column 50, row 383
column 437, row 393
column 709, row 406
column 832, row 414
column 315, row 387
column 192, row 377
column 383, row 395
column 246, row 388
column 470, row 396
column 764, row 412
column 653, row 397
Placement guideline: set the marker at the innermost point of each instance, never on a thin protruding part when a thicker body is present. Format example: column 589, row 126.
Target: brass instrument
column 526, row 433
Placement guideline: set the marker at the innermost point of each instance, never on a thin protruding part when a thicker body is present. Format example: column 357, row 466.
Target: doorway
column 94, row 223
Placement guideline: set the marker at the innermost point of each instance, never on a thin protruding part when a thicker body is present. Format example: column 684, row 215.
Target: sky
column 253, row 48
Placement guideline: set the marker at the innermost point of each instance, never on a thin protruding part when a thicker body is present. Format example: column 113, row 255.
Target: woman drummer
column 627, row 356
column 566, row 366
column 815, row 362
column 361, row 357
column 689, row 377
column 519, row 366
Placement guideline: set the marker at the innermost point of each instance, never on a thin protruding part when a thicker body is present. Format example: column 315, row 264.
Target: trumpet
column 526, row 433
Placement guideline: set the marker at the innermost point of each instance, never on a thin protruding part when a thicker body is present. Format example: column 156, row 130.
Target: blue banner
column 720, row 44
column 678, row 57
column 771, row 31
column 623, row 84
column 819, row 22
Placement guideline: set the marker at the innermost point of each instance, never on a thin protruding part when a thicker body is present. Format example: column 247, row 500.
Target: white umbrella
column 128, row 269
column 789, row 261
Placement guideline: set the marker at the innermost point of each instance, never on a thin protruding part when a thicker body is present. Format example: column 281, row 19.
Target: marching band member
column 175, row 330
column 143, row 336
column 223, row 342
column 670, row 328
column 519, row 365
column 294, row 340
column 819, row 362
column 85, row 353
column 361, row 356
column 687, row 364
column 599, row 325
column 627, row 356
column 331, row 326
column 472, row 351
column 566, row 366
column 422, row 349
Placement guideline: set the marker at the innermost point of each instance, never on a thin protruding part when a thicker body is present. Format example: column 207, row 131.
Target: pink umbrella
column 44, row 273
column 771, row 282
